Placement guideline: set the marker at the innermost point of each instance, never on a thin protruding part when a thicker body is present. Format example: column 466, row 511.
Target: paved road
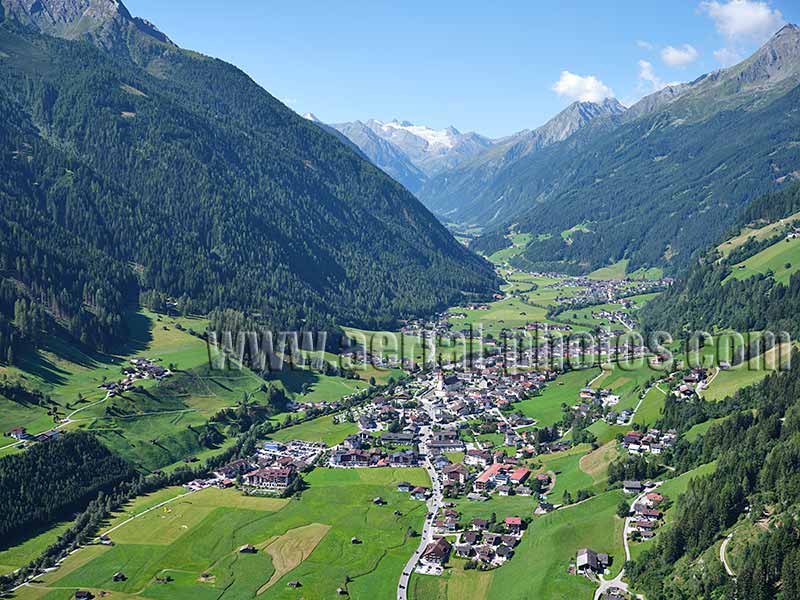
column 434, row 505
column 723, row 556
column 606, row 585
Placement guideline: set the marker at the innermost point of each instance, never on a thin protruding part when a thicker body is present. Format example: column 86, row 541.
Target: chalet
column 471, row 537
column 420, row 493
column 456, row 473
column 406, row 458
column 485, row 554
column 463, row 550
column 479, row 524
column 235, row 468
column 397, row 439
column 404, row 486
column 632, row 487
column 247, row 549
column 589, row 561
column 477, row 458
column 19, row 433
column 513, row 524
column 654, row 498
column 294, row 584
column 366, row 423
column 509, row 540
column 504, row 490
column 83, row 595
column 119, row 576
column 503, row 552
column 437, row 552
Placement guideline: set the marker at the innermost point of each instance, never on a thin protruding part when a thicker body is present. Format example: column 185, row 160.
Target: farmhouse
column 632, row 487
column 589, row 561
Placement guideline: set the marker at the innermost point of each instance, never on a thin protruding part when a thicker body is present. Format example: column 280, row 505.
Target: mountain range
column 137, row 169
column 414, row 154
column 652, row 184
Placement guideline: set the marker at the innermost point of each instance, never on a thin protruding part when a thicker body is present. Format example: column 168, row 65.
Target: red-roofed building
column 513, row 524
column 520, row 475
column 486, row 478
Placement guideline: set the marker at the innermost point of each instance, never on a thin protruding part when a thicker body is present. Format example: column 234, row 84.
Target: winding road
column 723, row 556
column 608, row 584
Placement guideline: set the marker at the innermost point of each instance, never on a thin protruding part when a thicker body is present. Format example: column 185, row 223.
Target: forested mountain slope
column 136, row 157
column 710, row 295
column 655, row 186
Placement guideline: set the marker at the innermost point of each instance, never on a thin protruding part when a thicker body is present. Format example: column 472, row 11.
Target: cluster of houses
column 653, row 441
column 140, row 368
column 21, row 434
column 692, row 382
column 489, row 544
column 618, row 316
column 647, row 517
column 602, row 291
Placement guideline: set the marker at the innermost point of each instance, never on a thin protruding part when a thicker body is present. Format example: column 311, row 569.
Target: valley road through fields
column 434, row 504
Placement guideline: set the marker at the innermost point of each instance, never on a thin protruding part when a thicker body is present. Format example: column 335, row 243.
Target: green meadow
column 540, row 563
column 546, row 407
column 781, row 259
column 321, row 429
column 758, row 233
column 189, row 548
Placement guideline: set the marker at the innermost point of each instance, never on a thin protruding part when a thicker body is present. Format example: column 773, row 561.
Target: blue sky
column 494, row 68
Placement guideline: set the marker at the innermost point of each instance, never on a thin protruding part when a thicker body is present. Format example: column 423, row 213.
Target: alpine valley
column 249, row 354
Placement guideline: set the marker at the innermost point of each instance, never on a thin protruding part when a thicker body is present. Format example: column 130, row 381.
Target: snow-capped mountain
column 410, row 153
column 430, row 150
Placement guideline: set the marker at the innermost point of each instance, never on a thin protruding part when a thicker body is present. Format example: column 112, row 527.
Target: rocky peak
column 107, row 23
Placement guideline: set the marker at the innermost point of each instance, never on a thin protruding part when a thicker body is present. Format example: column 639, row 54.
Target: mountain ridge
column 703, row 148
column 223, row 197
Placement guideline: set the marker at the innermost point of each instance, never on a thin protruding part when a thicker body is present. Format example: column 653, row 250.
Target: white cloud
column 644, row 45
column 649, row 81
column 744, row 19
column 727, row 56
column 678, row 57
column 585, row 89
column 648, row 75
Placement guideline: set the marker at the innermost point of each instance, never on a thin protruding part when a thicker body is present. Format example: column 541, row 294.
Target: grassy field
column 727, row 382
column 539, row 567
column 546, row 408
column 194, row 541
column 782, row 258
column 321, row 429
column 158, row 427
column 627, row 380
column 616, row 271
column 651, row 407
column 14, row 555
column 701, row 428
column 758, row 232
column 518, row 243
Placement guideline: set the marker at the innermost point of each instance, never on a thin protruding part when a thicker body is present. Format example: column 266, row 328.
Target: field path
column 144, row 512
